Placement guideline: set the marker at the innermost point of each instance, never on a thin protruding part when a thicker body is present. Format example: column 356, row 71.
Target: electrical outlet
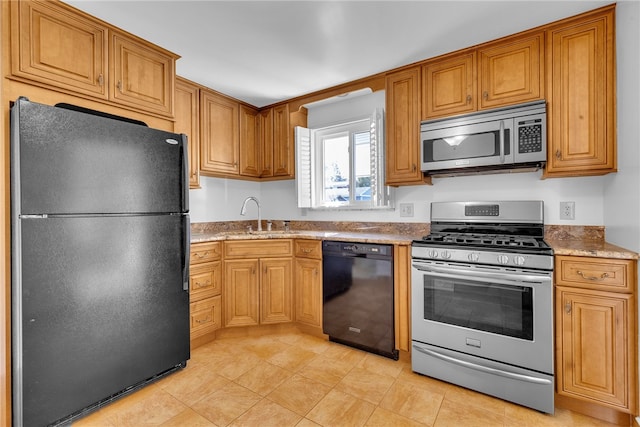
column 406, row 209
column 567, row 210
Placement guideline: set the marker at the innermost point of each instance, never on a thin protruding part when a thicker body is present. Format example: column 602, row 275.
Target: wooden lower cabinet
column 205, row 288
column 258, row 282
column 596, row 343
column 308, row 282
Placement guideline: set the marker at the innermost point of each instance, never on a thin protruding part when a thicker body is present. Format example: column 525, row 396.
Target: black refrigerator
column 100, row 250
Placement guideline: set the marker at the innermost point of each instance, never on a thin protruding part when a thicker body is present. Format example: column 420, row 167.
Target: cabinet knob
column 469, row 98
column 558, row 155
column 485, row 95
column 119, row 85
column 101, row 80
column 567, row 307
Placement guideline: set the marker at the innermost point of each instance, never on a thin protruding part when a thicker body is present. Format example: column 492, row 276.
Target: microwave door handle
column 501, row 141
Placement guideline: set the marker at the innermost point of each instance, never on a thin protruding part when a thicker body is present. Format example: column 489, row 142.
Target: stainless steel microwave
column 513, row 137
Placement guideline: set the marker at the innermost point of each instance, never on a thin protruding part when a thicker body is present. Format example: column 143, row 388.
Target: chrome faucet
column 243, row 211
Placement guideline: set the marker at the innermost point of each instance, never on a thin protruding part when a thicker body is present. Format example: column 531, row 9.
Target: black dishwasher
column 357, row 290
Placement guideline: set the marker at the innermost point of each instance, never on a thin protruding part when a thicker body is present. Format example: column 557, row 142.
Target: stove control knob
column 445, row 255
column 474, row 257
column 518, row 260
column 503, row 259
column 433, row 253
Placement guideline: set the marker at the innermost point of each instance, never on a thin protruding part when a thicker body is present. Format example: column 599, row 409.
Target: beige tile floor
column 293, row 379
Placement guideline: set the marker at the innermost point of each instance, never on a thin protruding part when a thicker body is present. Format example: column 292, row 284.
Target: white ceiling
column 263, row 52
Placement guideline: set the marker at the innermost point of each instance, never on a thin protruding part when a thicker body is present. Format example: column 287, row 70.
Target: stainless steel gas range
column 482, row 300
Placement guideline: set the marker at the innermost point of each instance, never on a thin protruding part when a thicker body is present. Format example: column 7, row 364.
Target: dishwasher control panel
column 357, row 248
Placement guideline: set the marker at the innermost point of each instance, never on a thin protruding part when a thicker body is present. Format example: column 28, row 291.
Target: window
column 342, row 166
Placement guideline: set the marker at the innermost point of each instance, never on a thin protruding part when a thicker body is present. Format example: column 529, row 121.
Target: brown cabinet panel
column 308, row 248
column 308, row 291
column 276, row 304
column 241, row 293
column 187, row 115
column 54, row 45
column 249, row 149
column 205, row 252
column 283, row 151
column 604, row 274
column 206, row 316
column 258, row 248
column 581, row 98
column 265, row 138
column 403, row 128
column 219, row 133
column 449, row 86
column 511, row 72
column 205, row 280
column 141, row 76
column 595, row 340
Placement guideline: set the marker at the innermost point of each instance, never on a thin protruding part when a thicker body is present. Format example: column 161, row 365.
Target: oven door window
column 500, row 309
column 484, row 144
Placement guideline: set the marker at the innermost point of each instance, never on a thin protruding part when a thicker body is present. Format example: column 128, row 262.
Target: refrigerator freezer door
column 100, row 307
column 69, row 162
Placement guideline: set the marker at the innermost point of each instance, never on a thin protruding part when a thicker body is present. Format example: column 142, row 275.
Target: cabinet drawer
column 206, row 316
column 205, row 252
column 205, row 280
column 258, row 248
column 616, row 275
column 308, row 249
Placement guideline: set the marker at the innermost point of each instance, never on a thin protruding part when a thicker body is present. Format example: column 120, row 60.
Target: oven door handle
column 486, row 369
column 502, row 277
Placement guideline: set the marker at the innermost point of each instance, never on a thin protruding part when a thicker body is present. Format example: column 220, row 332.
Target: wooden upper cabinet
column 57, row 45
column 142, row 76
column 249, row 149
column 219, row 134
column 187, row 115
column 283, row 151
column 265, row 142
column 403, row 127
column 449, row 85
column 54, row 45
column 511, row 72
column 581, row 115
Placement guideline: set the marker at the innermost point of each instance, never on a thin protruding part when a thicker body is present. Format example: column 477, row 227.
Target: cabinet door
column 219, row 134
column 403, row 128
column 511, row 72
column 241, row 292
column 283, row 152
column 142, row 75
column 581, row 97
column 595, row 355
column 449, row 86
column 308, row 291
column 249, row 149
column 187, row 116
column 265, row 138
column 55, row 45
column 276, row 291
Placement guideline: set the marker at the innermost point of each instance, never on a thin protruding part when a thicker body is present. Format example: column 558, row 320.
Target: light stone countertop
column 592, row 248
column 577, row 247
column 397, row 239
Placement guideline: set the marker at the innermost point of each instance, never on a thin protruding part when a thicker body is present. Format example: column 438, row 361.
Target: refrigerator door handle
column 185, row 173
column 186, row 226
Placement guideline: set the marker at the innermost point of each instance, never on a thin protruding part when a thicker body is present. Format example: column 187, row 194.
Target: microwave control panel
column 530, row 136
